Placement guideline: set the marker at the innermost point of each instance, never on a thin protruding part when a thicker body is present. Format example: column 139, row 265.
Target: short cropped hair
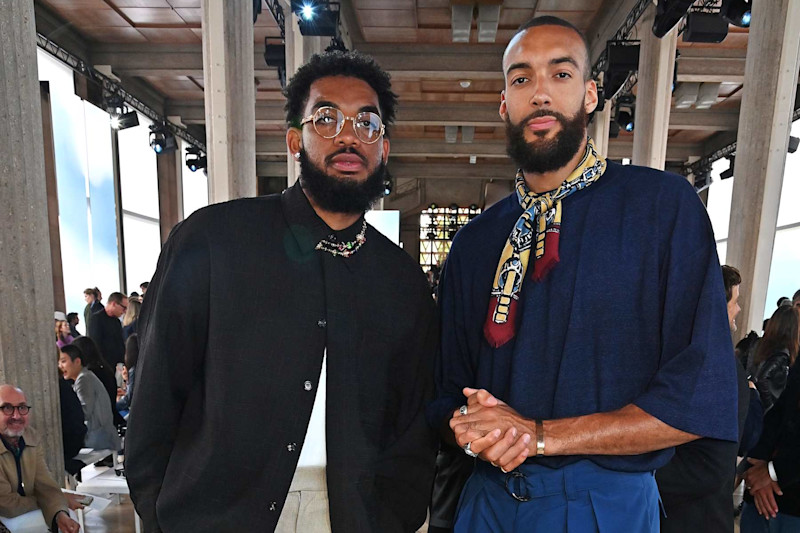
column 116, row 298
column 731, row 278
column 73, row 352
column 796, row 297
column 548, row 20
column 338, row 63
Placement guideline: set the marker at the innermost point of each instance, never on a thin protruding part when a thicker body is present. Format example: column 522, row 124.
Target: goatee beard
column 338, row 195
column 546, row 155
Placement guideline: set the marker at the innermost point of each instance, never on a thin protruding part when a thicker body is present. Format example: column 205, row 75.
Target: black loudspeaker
column 275, row 55
column 622, row 60
column 705, row 28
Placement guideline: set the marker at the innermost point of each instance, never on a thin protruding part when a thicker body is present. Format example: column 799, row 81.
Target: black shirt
column 232, row 335
column 106, row 331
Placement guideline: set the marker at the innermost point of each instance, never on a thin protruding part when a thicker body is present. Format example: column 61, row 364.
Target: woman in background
column 63, row 336
column 131, row 318
column 776, row 352
column 131, row 357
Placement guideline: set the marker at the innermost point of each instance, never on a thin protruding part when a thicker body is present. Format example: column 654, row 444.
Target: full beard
column 546, row 155
column 341, row 195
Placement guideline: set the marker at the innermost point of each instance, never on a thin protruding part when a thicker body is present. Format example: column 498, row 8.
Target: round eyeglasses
column 328, row 123
column 8, row 409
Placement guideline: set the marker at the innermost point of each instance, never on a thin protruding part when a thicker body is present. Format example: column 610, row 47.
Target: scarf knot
column 540, row 223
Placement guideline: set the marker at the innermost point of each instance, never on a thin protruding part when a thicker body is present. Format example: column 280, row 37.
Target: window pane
column 789, row 210
column 142, row 246
column 783, row 279
column 720, row 194
column 138, row 174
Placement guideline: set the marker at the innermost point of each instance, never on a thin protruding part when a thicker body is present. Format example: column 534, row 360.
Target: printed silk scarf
column 540, row 223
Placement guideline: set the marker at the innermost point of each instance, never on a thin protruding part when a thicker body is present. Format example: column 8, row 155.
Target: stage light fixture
column 125, row 120
column 705, row 28
column 622, row 59
column 793, row 144
column 195, row 160
column 737, row 12
column 318, row 18
column 668, row 14
column 387, row 186
column 726, row 174
column 162, row 141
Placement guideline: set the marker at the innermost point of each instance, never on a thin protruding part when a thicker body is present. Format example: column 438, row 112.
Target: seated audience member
column 73, row 320
column 777, row 351
column 94, row 361
column 130, row 320
column 25, row 482
column 101, row 433
column 131, row 357
column 73, row 429
column 772, row 503
column 63, row 335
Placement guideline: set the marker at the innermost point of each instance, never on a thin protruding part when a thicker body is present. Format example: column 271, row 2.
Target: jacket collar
column 307, row 228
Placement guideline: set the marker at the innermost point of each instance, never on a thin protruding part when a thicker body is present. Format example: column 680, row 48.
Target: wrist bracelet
column 539, row 438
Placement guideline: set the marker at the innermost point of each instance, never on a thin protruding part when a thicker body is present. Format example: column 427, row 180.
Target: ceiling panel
column 88, row 16
column 153, row 15
column 141, row 3
column 433, row 17
column 387, row 18
column 190, row 15
column 113, row 35
column 170, row 35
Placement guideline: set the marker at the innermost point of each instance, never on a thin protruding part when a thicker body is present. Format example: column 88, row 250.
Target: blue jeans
column 578, row 498
column 752, row 522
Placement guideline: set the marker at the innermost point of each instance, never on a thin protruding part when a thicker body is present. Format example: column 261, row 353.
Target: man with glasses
column 302, row 407
column 106, row 329
column 25, row 482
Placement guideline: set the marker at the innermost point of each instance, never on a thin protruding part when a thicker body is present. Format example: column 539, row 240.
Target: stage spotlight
column 737, row 12
column 668, row 14
column 318, row 18
column 387, row 186
column 613, row 129
column 625, row 120
column 705, row 28
column 195, row 160
column 124, row 121
column 162, row 141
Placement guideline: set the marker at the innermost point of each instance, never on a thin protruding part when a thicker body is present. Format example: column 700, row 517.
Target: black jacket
column 232, row 334
column 106, row 331
column 697, row 484
column 771, row 378
column 780, row 443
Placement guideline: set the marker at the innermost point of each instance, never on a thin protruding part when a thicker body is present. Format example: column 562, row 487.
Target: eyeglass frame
column 310, row 118
column 7, row 406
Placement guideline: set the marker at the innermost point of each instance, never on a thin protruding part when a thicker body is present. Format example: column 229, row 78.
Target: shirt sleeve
column 174, row 335
column 454, row 366
column 694, row 388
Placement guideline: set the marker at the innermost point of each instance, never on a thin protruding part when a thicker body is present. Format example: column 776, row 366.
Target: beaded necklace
column 345, row 249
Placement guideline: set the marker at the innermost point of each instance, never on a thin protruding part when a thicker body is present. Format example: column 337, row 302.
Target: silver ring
column 468, row 450
column 463, row 409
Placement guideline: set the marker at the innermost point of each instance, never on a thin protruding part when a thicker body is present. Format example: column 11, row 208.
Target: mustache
column 346, row 150
column 543, row 113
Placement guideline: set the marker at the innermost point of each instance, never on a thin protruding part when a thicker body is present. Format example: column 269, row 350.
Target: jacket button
column 322, row 323
column 273, row 506
column 291, row 446
column 308, row 385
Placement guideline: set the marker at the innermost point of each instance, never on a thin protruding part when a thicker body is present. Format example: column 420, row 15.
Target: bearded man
column 287, row 347
column 584, row 323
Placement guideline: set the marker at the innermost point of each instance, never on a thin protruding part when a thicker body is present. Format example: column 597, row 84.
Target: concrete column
column 170, row 208
column 653, row 94
column 770, row 83
column 228, row 74
column 27, row 349
column 598, row 129
column 299, row 49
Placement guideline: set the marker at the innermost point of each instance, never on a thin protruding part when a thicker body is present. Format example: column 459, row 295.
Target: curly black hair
column 339, row 63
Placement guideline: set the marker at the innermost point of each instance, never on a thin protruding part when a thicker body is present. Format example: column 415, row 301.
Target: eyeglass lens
column 9, row 409
column 329, row 121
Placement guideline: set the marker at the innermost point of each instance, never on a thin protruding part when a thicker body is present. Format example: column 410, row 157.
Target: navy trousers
column 579, row 498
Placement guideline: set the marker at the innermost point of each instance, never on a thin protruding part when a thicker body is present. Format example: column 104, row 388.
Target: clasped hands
column 494, row 431
column 762, row 488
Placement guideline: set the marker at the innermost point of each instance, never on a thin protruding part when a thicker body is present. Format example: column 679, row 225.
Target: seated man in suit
column 25, row 482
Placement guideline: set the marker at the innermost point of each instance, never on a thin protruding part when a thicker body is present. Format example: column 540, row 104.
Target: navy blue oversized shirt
column 634, row 312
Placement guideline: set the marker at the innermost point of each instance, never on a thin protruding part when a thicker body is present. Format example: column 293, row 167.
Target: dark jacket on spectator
column 780, row 443
column 73, row 429
column 106, row 331
column 771, row 378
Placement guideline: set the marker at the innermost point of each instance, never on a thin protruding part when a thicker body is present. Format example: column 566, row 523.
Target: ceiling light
column 195, row 160
column 162, row 141
column 308, row 12
column 465, row 84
